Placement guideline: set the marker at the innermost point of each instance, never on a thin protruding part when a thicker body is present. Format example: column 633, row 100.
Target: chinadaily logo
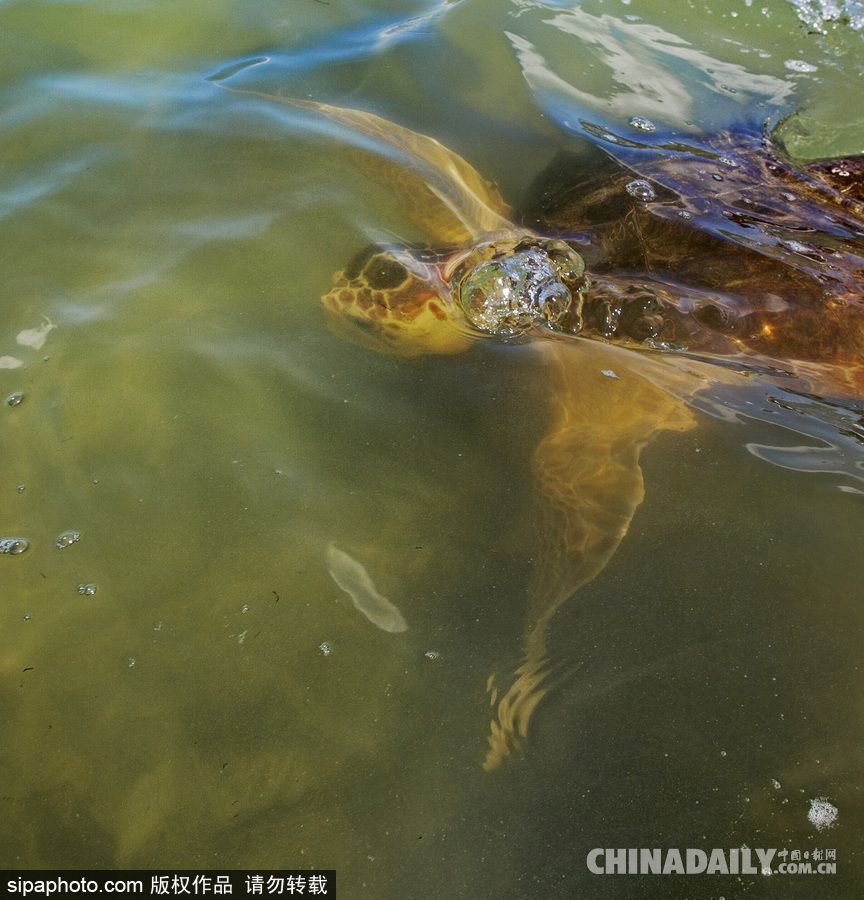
column 724, row 861
column 693, row 861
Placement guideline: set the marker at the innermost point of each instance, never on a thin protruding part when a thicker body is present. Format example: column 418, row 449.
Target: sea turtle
column 643, row 273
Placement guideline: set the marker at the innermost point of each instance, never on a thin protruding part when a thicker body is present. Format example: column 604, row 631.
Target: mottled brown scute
column 846, row 176
column 750, row 256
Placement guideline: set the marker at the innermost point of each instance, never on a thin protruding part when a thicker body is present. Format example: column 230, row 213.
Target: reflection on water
column 182, row 681
column 658, row 65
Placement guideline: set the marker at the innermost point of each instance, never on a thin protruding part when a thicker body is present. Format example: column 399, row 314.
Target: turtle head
column 395, row 301
column 412, row 302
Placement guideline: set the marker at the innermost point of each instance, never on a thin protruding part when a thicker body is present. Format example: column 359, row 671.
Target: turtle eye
column 359, row 260
column 384, row 273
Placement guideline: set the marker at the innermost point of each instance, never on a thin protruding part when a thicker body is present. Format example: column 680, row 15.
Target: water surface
column 185, row 684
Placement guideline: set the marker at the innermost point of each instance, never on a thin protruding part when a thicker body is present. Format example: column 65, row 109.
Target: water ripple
column 370, row 39
column 26, row 189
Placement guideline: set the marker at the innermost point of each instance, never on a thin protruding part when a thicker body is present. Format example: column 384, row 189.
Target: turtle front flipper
column 589, row 485
column 440, row 192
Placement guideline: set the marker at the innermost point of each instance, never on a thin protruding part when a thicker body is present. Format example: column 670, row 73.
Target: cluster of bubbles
column 15, row 546
column 506, row 286
column 819, row 14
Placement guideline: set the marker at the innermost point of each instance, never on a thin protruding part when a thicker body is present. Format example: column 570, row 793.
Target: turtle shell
column 718, row 247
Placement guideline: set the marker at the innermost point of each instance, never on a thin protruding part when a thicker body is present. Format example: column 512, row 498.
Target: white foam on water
column 818, row 14
column 34, row 337
column 822, row 813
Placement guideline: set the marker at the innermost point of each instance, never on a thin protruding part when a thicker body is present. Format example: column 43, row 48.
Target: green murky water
column 218, row 701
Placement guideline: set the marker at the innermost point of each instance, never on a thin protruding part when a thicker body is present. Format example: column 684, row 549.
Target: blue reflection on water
column 370, row 39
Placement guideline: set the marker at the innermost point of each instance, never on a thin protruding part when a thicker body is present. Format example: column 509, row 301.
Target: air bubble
column 431, row 654
column 729, row 163
column 22, row 488
column 553, row 301
column 13, row 546
column 609, row 373
column 15, row 399
column 66, row 539
column 683, row 214
column 88, row 590
column 716, row 177
column 642, row 124
column 325, row 648
column 641, row 190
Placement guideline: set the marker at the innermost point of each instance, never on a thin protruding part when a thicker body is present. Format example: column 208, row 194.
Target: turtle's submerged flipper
column 589, row 485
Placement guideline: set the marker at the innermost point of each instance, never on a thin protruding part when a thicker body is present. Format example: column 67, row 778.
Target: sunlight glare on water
column 185, row 443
